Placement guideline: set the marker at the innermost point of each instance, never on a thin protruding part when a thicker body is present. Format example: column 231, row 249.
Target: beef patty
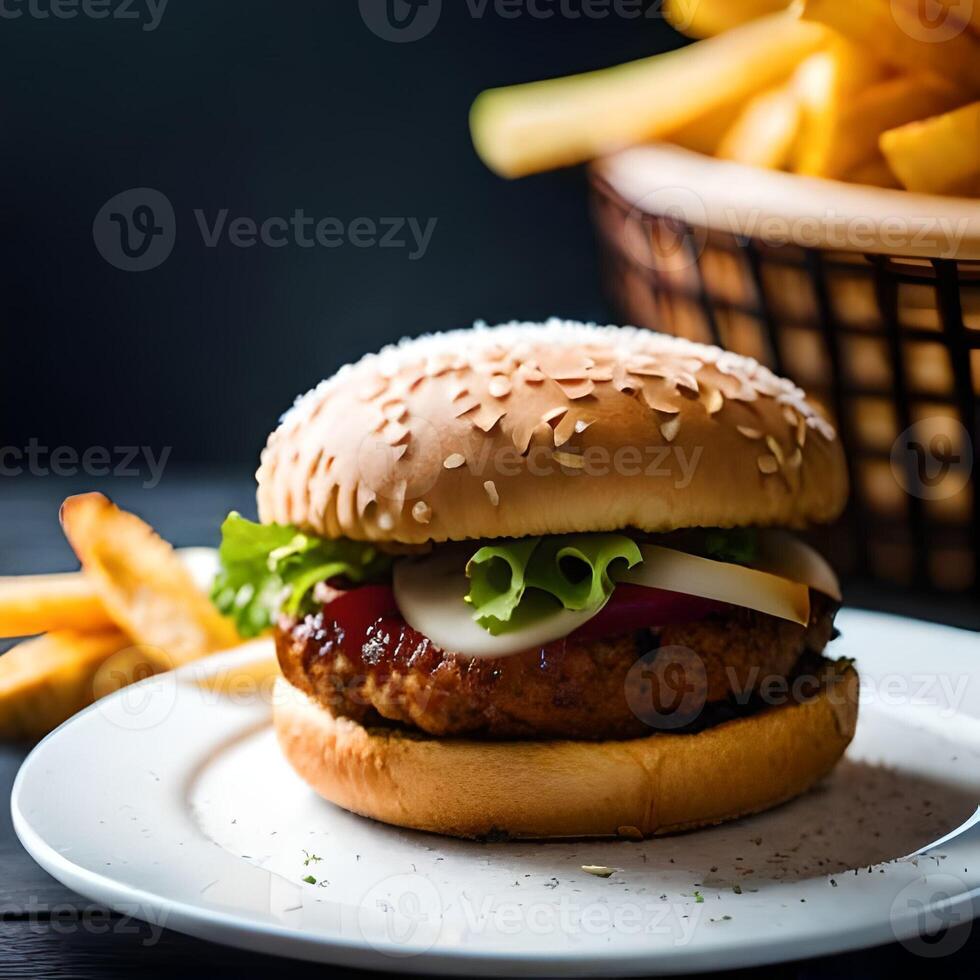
column 568, row 689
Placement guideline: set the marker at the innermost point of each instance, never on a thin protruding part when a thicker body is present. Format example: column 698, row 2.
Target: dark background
column 263, row 108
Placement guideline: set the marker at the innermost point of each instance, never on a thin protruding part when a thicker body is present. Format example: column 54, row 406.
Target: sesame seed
column 499, row 386
column 775, row 449
column 572, row 460
column 670, row 428
column 453, row 461
column 394, row 433
column 422, row 512
column 491, row 490
column 685, row 379
column 554, row 413
column 768, row 464
column 577, row 389
column 748, row 432
column 715, row 401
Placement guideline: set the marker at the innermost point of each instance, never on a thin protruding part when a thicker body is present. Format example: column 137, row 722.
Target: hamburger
column 541, row 580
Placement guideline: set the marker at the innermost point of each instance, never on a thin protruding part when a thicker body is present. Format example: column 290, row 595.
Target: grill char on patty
column 568, row 689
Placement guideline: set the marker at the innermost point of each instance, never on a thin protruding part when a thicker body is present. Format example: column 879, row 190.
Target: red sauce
column 367, row 619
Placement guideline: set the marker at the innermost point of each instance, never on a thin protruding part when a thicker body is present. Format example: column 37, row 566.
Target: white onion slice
column 430, row 590
column 677, row 571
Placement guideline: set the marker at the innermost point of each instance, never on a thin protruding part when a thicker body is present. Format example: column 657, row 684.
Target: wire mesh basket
column 867, row 298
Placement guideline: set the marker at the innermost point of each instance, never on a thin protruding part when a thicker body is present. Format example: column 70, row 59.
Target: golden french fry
column 705, row 18
column 826, row 83
column 46, row 680
column 765, row 131
column 559, row 122
column 939, row 155
column 853, row 138
column 703, row 133
column 897, row 32
column 144, row 586
column 32, row 604
column 875, row 173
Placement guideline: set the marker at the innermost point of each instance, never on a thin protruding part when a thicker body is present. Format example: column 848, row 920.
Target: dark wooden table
column 47, row 931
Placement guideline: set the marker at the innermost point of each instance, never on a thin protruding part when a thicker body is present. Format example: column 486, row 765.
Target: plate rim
column 259, row 935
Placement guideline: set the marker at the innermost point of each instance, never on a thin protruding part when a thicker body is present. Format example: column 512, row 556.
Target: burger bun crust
column 529, row 429
column 551, row 789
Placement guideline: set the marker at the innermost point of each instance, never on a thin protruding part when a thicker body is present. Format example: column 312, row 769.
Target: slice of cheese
column 677, row 571
column 780, row 553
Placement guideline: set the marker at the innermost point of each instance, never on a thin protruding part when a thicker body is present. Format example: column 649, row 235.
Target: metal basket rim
column 783, row 208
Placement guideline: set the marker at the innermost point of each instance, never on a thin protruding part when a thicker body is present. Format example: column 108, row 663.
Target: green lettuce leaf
column 514, row 581
column 268, row 568
column 739, row 545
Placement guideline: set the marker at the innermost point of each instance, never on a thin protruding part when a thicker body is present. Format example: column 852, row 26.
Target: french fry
column 46, row 680
column 875, row 173
column 703, row 133
column 705, row 18
column 825, row 84
column 939, row 155
column 144, row 586
column 853, row 137
column 888, row 30
column 765, row 131
column 524, row 129
column 31, row 604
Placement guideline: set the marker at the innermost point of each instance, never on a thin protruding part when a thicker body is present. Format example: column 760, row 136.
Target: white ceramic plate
column 170, row 802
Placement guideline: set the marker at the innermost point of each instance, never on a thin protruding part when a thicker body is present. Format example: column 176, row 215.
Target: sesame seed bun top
column 528, row 429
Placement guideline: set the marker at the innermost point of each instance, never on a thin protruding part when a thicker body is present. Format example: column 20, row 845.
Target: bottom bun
column 653, row 785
